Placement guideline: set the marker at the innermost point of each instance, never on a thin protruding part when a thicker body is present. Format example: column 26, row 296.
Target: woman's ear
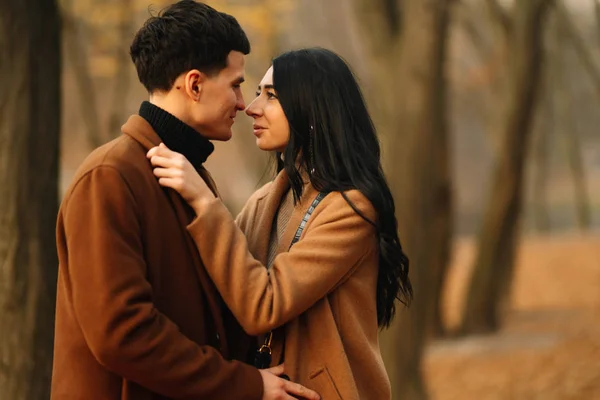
column 194, row 81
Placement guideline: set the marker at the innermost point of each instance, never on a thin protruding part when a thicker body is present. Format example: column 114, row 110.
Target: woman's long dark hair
column 333, row 138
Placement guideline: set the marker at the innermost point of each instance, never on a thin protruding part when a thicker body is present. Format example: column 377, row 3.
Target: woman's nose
column 252, row 110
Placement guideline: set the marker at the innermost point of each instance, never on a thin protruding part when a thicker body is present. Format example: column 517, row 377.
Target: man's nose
column 241, row 106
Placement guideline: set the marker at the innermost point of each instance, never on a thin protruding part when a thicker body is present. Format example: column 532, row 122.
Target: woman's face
column 271, row 126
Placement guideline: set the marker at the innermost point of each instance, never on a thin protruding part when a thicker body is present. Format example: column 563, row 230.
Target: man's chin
column 226, row 136
column 220, row 136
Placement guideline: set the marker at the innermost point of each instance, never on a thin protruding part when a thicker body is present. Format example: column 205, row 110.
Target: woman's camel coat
column 323, row 290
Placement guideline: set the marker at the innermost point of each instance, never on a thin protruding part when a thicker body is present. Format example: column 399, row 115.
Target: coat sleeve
column 333, row 244
column 112, row 300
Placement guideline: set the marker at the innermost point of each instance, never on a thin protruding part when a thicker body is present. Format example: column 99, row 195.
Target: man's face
column 220, row 99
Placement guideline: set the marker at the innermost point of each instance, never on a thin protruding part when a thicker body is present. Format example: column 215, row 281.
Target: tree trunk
column 29, row 137
column 494, row 265
column 408, row 57
column 440, row 173
column 597, row 14
column 544, row 126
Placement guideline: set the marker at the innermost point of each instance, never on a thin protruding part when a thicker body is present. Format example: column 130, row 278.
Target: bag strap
column 266, row 347
column 309, row 212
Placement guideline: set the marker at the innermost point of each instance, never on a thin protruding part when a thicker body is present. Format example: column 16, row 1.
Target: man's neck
column 171, row 104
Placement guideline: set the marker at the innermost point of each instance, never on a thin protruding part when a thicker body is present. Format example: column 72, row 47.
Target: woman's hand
column 173, row 170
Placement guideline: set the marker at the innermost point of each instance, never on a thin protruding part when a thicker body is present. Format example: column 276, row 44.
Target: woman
column 324, row 297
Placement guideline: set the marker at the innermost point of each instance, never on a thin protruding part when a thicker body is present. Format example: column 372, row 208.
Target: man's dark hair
column 184, row 36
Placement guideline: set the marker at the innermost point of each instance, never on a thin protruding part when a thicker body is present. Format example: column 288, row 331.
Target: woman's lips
column 258, row 130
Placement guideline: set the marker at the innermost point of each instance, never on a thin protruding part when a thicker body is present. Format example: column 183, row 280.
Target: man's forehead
column 236, row 60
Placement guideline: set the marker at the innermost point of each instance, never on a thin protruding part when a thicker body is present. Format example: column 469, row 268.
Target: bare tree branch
column 597, row 12
column 381, row 18
column 579, row 45
column 564, row 101
column 500, row 15
column 392, row 15
column 122, row 75
column 492, row 47
column 75, row 49
column 473, row 33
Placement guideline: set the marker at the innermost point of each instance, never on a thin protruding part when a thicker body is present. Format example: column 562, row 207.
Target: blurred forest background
column 487, row 114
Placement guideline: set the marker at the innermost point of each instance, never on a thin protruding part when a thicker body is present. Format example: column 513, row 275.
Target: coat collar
column 270, row 204
column 264, row 223
column 142, row 132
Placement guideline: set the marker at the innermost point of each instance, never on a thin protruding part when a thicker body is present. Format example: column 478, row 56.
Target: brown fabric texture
column 137, row 317
column 322, row 291
column 279, row 224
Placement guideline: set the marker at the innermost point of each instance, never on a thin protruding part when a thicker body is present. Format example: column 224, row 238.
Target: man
column 137, row 316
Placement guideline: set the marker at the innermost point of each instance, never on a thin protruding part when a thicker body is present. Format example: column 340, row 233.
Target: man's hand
column 276, row 388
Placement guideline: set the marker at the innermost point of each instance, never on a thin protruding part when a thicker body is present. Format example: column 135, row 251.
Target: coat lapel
column 141, row 131
column 264, row 227
column 264, row 221
column 308, row 195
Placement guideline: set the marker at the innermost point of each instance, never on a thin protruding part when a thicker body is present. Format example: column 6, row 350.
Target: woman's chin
column 266, row 146
column 263, row 146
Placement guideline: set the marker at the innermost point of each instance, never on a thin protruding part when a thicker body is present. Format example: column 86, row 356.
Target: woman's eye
column 271, row 95
column 257, row 94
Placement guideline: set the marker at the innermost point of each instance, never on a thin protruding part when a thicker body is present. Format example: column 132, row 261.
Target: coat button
column 218, row 337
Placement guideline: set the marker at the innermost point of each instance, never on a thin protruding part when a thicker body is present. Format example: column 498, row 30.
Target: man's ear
column 194, row 81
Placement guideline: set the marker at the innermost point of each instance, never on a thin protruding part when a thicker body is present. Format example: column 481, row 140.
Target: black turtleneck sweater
column 176, row 134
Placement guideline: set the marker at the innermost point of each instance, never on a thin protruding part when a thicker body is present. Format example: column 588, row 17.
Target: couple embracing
column 162, row 294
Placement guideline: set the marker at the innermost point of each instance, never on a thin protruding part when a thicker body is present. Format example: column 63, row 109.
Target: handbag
column 262, row 358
